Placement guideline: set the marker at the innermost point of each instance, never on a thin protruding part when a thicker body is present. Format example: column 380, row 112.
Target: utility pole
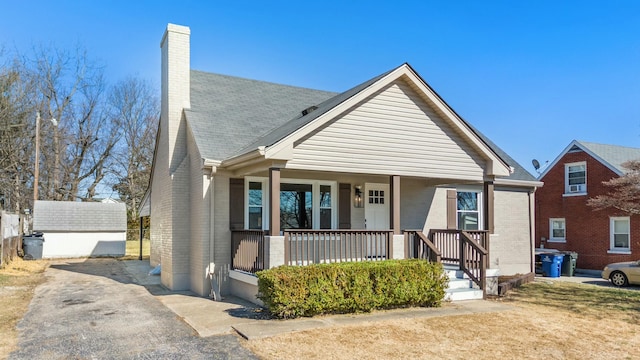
column 36, row 172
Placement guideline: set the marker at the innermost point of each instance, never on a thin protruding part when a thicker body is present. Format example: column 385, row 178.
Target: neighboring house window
column 468, row 210
column 557, row 230
column 575, row 178
column 620, row 234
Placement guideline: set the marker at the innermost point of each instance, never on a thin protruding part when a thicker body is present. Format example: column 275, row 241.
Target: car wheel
column 618, row 278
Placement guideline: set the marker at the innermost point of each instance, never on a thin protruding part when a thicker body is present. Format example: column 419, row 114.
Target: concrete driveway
column 91, row 309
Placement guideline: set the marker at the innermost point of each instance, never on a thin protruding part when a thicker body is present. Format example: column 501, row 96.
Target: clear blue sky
column 531, row 75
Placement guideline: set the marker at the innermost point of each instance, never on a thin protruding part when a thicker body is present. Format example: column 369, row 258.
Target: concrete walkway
column 209, row 317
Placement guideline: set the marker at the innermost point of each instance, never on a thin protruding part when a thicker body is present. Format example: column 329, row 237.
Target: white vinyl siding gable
column 392, row 132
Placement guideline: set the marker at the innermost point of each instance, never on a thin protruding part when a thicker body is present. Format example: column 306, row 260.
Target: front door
column 376, row 217
column 376, row 206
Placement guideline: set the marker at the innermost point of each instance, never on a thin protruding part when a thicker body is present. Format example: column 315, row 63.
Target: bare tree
column 624, row 193
column 16, row 145
column 135, row 108
column 77, row 147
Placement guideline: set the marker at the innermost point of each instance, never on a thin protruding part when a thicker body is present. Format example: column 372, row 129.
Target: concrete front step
column 462, row 294
column 457, row 283
column 460, row 286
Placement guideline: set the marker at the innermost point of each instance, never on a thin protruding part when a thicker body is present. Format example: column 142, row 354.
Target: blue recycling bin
column 551, row 264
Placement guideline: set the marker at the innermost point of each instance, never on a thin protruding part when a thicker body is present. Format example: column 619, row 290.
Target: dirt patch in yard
column 550, row 321
column 18, row 280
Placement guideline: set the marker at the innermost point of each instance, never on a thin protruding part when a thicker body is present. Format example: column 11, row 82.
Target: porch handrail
column 473, row 260
column 447, row 241
column 419, row 246
column 247, row 250
column 307, row 246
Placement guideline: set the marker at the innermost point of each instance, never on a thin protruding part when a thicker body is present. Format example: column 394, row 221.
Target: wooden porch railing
column 467, row 249
column 448, row 242
column 418, row 246
column 304, row 247
column 247, row 250
column 473, row 260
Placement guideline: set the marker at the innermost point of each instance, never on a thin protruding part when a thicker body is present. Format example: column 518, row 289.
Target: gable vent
column 308, row 110
column 575, row 148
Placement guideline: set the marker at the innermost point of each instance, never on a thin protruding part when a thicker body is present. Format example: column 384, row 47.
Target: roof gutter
column 243, row 158
column 522, row 183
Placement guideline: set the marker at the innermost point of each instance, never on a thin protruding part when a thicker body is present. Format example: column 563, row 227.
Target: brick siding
column 587, row 231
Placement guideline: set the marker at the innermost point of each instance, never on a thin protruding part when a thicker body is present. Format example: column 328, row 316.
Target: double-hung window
column 575, row 181
column 557, row 230
column 620, row 234
column 468, row 210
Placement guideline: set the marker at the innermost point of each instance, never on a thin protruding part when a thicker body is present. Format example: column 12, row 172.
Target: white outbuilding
column 79, row 229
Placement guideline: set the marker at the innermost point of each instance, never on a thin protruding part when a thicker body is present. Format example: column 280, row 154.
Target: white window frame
column 576, row 189
column 480, row 206
column 315, row 202
column 557, row 239
column 265, row 200
column 612, row 248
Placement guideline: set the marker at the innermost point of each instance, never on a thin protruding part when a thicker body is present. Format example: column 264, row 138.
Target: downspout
column 215, row 285
column 531, row 236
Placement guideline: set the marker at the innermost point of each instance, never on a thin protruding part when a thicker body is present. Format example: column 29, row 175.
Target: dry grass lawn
column 550, row 321
column 132, row 251
column 18, row 280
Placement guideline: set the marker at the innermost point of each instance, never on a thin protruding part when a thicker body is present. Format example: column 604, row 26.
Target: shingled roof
column 231, row 116
column 79, row 216
column 612, row 156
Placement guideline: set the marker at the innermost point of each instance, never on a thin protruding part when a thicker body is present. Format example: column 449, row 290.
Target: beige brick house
column 383, row 170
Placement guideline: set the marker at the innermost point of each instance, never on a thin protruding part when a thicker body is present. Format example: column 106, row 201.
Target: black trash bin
column 569, row 263
column 32, row 246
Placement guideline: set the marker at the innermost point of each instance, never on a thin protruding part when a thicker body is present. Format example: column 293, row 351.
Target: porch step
column 460, row 286
column 462, row 294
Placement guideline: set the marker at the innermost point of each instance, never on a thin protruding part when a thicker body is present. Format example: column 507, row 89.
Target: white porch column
column 273, row 251
column 397, row 249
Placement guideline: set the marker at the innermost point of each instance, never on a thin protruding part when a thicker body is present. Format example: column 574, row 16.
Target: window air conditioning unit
column 576, row 188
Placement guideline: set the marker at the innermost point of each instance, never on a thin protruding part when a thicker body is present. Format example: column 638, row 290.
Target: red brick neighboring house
column 565, row 222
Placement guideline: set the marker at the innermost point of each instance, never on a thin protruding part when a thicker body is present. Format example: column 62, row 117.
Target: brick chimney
column 175, row 82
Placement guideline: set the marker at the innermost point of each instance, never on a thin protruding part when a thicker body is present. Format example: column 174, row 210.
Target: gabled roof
column 611, row 156
column 79, row 216
column 228, row 113
column 232, row 116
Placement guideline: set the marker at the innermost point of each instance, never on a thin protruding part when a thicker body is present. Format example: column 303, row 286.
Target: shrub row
column 294, row 291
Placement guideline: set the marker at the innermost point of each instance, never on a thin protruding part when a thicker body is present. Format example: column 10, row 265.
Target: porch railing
column 473, row 259
column 448, row 242
column 418, row 246
column 466, row 249
column 247, row 250
column 304, row 247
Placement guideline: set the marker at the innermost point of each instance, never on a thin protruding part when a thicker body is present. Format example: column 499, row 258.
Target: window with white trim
column 557, row 230
column 304, row 204
column 468, row 210
column 256, row 204
column 575, row 179
column 620, row 234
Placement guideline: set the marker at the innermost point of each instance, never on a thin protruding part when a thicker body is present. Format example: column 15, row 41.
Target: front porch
column 465, row 251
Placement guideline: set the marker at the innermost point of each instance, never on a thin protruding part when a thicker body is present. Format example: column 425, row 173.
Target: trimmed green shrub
column 294, row 291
